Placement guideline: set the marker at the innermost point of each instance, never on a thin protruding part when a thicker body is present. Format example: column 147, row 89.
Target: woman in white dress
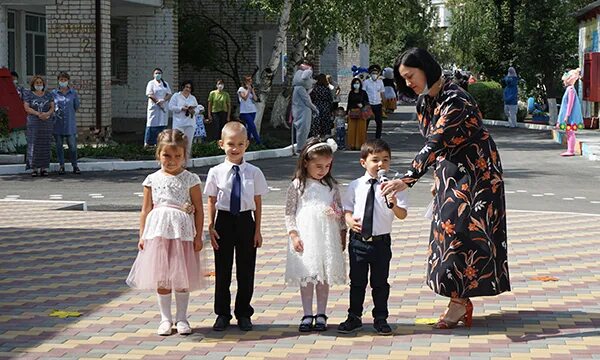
column 158, row 93
column 184, row 107
column 317, row 231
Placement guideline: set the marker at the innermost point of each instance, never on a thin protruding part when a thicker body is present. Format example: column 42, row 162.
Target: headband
column 330, row 142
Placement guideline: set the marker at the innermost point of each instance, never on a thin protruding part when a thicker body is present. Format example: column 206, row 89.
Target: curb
column 149, row 164
column 519, row 125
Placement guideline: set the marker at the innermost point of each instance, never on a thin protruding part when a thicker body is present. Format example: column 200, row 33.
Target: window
column 12, row 49
column 35, row 44
column 118, row 53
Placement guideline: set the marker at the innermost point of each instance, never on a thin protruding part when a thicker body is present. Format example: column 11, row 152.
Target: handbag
column 367, row 112
column 355, row 114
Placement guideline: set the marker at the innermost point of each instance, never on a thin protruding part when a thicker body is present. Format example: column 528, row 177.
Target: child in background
column 170, row 236
column 340, row 127
column 235, row 189
column 314, row 222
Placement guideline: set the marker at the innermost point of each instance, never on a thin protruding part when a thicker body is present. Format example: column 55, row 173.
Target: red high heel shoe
column 466, row 319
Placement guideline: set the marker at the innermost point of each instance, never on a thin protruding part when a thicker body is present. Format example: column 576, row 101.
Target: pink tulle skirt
column 167, row 264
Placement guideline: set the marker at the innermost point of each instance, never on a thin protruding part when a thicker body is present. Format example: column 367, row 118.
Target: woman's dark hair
column 355, row 80
column 34, row 78
column 14, row 74
column 322, row 150
column 322, row 80
column 420, row 59
column 63, row 74
column 220, row 81
column 187, row 82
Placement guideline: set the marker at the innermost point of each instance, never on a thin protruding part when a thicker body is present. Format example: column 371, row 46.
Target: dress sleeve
column 194, row 180
column 570, row 100
column 148, row 181
column 149, row 89
column 455, row 122
column 337, row 200
column 174, row 104
column 291, row 205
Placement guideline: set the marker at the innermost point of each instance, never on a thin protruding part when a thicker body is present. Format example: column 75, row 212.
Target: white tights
column 306, row 293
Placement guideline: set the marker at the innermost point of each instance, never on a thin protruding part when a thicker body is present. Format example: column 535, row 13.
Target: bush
column 489, row 97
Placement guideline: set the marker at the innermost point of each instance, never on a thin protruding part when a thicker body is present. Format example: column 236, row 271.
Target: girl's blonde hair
column 171, row 137
column 306, row 155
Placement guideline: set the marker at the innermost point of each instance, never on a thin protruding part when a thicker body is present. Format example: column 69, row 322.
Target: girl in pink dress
column 170, row 235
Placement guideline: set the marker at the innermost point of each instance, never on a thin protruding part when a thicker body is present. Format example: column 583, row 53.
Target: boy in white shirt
column 234, row 189
column 369, row 216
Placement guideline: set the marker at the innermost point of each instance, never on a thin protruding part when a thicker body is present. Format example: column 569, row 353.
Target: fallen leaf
column 544, row 278
column 64, row 314
column 426, row 321
column 209, row 273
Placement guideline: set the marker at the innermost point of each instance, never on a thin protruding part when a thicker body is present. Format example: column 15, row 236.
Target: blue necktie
column 236, row 192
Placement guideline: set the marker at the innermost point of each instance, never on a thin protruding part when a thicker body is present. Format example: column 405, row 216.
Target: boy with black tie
column 234, row 189
column 369, row 216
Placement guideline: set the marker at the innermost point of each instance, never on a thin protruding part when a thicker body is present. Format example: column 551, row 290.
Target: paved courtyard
column 77, row 261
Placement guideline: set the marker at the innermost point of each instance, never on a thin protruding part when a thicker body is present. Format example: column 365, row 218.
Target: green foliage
column 4, row 130
column 488, row 95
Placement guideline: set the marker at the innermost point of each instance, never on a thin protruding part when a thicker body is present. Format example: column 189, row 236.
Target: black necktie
column 236, row 191
column 367, row 223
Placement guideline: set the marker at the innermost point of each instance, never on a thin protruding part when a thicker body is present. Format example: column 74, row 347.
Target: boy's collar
column 366, row 177
column 231, row 164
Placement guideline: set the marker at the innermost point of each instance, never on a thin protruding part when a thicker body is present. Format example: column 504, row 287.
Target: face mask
column 373, row 77
column 63, row 84
column 39, row 87
column 158, row 77
column 220, row 86
column 356, row 86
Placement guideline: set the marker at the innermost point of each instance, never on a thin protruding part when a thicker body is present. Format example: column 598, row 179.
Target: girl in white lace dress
column 314, row 221
column 171, row 224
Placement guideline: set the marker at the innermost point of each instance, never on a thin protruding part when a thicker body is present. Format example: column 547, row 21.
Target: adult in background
column 302, row 106
column 219, row 111
column 159, row 93
column 321, row 97
column 15, row 78
column 184, row 107
column 511, row 96
column 357, row 126
column 468, row 243
column 67, row 103
column 39, row 106
column 376, row 92
column 335, row 93
column 247, row 97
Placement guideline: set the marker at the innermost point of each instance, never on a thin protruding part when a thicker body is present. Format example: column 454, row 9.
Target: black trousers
column 377, row 111
column 213, row 130
column 236, row 236
column 374, row 255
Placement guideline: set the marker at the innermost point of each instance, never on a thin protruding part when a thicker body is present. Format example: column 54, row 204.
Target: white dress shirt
column 374, row 90
column 177, row 102
column 355, row 200
column 220, row 180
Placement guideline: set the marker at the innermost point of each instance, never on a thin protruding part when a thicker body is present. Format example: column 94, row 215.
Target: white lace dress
column 168, row 260
column 317, row 216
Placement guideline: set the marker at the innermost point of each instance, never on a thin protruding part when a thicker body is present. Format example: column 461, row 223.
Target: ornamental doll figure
column 570, row 118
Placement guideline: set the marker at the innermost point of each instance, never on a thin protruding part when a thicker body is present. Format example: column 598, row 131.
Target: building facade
column 589, row 58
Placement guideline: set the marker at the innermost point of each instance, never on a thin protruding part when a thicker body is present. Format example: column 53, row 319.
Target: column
column 3, row 36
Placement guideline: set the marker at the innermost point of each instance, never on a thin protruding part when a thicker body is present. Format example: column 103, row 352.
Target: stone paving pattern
column 78, row 261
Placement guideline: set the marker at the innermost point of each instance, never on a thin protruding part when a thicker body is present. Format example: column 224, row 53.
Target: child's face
column 234, row 145
column 375, row 162
column 318, row 167
column 172, row 159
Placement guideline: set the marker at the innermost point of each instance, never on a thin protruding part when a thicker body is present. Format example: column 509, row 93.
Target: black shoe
column 34, row 173
column 44, row 172
column 320, row 322
column 61, row 170
column 352, row 324
column 76, row 170
column 305, row 326
column 244, row 324
column 221, row 323
column 382, row 327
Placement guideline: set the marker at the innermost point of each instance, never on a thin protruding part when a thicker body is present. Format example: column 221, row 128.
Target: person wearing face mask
column 357, row 126
column 158, row 93
column 219, row 111
column 184, row 107
column 15, row 78
column 39, row 106
column 247, row 97
column 468, row 240
column 65, row 125
column 376, row 92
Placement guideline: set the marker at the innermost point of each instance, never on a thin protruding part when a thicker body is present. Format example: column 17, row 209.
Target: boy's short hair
column 373, row 146
column 233, row 128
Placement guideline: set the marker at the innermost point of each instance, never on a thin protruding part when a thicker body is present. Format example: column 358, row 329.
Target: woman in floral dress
column 467, row 255
column 321, row 96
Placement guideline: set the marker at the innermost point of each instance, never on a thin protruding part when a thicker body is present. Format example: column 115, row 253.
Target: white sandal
column 184, row 328
column 164, row 328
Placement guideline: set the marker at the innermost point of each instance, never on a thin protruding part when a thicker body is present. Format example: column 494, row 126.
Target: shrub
column 488, row 95
column 4, row 130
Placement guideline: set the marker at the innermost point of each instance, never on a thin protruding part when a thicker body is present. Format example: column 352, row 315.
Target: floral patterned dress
column 322, row 123
column 467, row 253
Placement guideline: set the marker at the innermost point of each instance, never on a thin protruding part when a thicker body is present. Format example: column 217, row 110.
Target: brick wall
column 71, row 47
column 152, row 41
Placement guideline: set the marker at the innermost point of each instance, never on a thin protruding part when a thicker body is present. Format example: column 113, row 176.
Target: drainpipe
column 98, row 67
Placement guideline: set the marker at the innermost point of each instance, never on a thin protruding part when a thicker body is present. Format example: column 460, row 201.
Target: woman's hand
column 392, row 187
column 297, row 243
column 433, row 191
